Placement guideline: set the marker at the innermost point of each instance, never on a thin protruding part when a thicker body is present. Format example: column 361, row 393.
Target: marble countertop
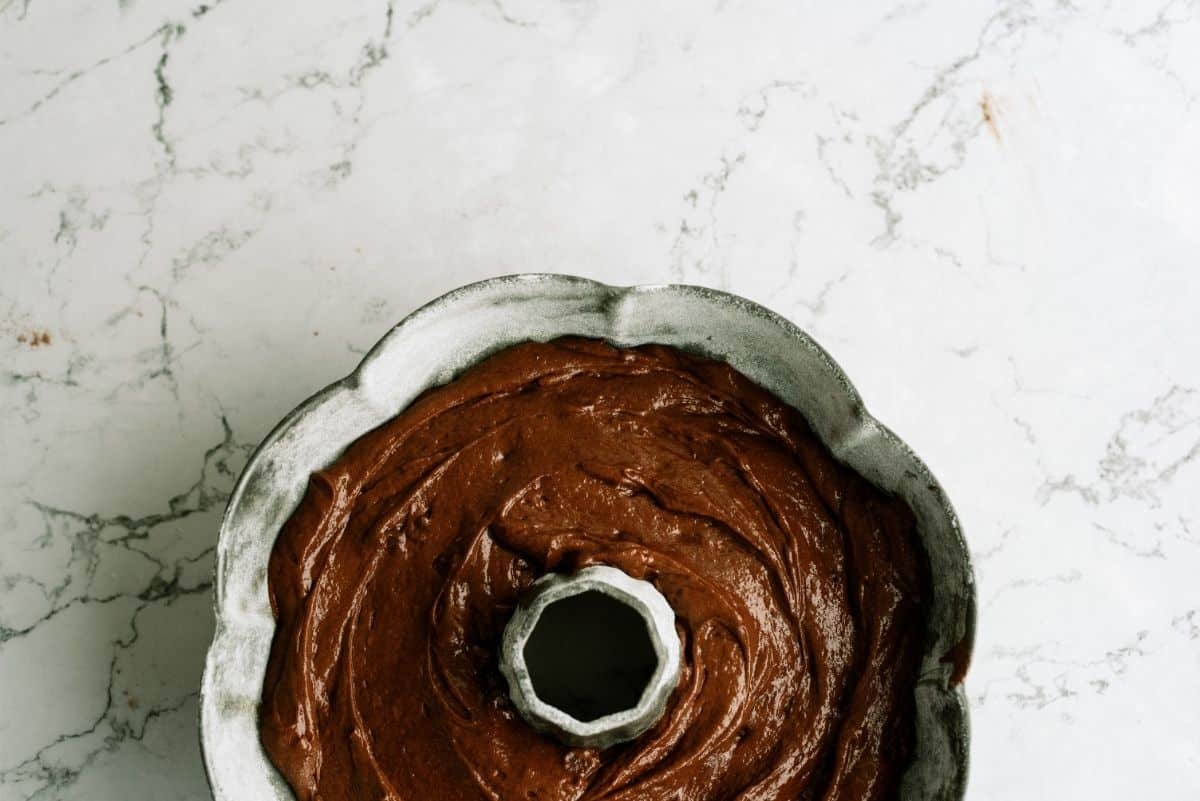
column 988, row 212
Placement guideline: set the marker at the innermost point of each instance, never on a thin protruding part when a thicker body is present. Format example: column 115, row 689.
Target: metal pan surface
column 433, row 345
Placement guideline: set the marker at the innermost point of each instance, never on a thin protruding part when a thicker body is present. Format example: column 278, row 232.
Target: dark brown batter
column 798, row 587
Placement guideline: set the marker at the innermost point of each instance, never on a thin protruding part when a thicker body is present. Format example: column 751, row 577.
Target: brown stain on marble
column 35, row 338
column 988, row 107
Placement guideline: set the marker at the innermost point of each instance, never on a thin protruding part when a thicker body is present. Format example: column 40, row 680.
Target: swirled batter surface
column 798, row 587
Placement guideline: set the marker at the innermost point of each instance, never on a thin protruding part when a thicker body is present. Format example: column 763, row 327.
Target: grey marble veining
column 985, row 210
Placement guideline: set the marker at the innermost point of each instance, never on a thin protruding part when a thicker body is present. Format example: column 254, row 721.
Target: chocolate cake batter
column 799, row 590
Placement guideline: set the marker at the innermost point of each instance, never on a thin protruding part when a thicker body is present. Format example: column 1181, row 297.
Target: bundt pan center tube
column 591, row 657
column 635, row 663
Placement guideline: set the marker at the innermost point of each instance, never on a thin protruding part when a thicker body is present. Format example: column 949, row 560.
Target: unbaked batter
column 799, row 590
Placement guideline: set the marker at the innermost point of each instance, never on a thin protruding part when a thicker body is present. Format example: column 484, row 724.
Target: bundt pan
column 432, row 346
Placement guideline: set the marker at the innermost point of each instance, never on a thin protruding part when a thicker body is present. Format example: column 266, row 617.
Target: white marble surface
column 988, row 212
